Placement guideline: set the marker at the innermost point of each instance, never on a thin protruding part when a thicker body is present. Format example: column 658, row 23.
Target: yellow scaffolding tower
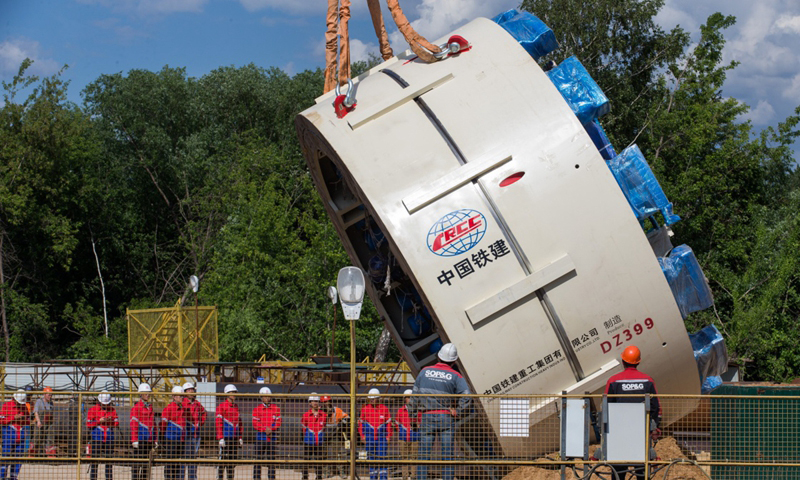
column 173, row 336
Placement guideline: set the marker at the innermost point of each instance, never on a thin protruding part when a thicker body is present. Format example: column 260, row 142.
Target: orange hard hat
column 326, row 398
column 632, row 355
column 47, row 390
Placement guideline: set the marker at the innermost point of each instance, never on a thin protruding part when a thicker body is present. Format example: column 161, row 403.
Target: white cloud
column 792, row 92
column 360, row 50
column 763, row 114
column 13, row 52
column 764, row 41
column 789, row 23
column 436, row 18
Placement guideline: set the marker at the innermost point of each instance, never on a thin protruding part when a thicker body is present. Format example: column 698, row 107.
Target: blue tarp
column 579, row 89
column 686, row 279
column 534, row 36
column 600, row 139
column 709, row 352
column 640, row 186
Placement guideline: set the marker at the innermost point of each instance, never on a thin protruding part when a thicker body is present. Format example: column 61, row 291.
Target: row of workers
column 182, row 419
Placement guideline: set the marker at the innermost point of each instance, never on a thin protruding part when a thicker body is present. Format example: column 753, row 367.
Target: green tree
column 44, row 141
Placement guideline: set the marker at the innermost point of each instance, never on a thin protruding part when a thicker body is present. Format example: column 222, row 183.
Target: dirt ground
column 666, row 449
column 70, row 472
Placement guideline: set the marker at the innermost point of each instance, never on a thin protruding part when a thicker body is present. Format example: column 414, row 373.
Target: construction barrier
column 91, row 435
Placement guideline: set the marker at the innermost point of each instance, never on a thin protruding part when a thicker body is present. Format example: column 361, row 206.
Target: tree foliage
column 160, row 176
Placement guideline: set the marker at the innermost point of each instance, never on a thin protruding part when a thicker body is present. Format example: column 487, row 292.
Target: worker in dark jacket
column 634, row 385
column 438, row 414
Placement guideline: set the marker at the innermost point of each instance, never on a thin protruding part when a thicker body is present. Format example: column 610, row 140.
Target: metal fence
column 494, row 437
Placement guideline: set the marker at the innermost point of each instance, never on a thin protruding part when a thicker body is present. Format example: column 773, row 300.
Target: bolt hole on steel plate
column 577, row 166
column 513, row 178
column 664, row 344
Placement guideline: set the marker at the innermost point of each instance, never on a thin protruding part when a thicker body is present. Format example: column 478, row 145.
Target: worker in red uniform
column 14, row 418
column 143, row 432
column 101, row 420
column 409, row 437
column 266, row 421
column 195, row 418
column 634, row 384
column 229, row 431
column 314, row 422
column 375, row 429
column 173, row 428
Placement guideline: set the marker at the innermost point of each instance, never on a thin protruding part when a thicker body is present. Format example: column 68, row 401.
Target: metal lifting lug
column 455, row 44
column 344, row 103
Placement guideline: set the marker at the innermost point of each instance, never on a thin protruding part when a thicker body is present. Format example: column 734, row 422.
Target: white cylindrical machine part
column 540, row 282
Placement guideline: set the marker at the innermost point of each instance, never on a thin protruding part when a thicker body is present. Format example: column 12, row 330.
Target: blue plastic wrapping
column 600, row 139
column 686, row 279
column 709, row 352
column 710, row 383
column 579, row 89
column 534, row 36
column 640, row 186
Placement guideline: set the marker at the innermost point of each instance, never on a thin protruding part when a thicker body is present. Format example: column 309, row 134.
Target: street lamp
column 350, row 283
column 333, row 295
column 194, row 282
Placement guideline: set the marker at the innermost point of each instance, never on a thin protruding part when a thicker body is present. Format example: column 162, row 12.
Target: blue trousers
column 376, row 450
column 192, row 447
column 12, row 449
column 435, row 425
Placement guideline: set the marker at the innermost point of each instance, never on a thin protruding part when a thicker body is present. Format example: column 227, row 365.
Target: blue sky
column 106, row 36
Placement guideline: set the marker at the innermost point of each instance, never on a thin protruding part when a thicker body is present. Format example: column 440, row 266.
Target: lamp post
column 332, row 296
column 194, row 282
column 350, row 284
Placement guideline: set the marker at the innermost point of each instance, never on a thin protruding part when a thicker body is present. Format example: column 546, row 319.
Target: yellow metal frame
column 152, row 332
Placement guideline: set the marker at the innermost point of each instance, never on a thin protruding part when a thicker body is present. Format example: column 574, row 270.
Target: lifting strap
column 337, row 35
column 421, row 47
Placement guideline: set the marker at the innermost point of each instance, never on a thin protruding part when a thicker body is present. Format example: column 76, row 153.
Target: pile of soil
column 666, row 449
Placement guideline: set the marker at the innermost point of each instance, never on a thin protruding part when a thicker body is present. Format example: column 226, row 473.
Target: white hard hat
column 408, row 392
column 265, row 391
column 448, row 353
column 188, row 385
column 104, row 397
column 145, row 388
column 230, row 388
column 177, row 389
column 314, row 397
column 20, row 396
column 373, row 393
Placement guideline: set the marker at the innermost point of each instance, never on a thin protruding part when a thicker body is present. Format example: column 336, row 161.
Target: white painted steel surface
column 563, row 277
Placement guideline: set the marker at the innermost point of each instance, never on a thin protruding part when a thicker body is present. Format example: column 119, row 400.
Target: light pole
column 332, row 296
column 350, row 283
column 194, row 282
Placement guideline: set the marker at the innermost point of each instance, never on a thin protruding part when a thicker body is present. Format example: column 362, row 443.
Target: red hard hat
column 47, row 390
column 326, row 398
column 632, row 355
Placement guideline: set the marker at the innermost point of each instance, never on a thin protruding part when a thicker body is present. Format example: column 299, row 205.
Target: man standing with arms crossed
column 195, row 419
column 438, row 414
